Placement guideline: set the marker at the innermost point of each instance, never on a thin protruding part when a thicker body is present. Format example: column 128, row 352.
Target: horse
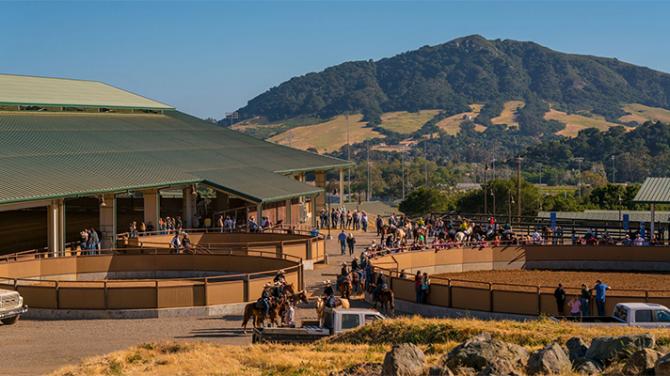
column 258, row 314
column 321, row 307
column 344, row 287
column 291, row 300
column 357, row 281
column 386, row 300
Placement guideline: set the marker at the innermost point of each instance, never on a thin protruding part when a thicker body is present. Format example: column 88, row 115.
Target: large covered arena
column 83, row 159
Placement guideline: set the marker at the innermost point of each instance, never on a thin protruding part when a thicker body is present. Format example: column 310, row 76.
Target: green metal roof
column 608, row 215
column 654, row 191
column 59, row 92
column 50, row 155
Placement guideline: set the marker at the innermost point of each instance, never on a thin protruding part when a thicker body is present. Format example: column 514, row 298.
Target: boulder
column 608, row 349
column 585, row 366
column 483, row 353
column 551, row 360
column 404, row 360
column 576, row 348
column 663, row 365
column 642, row 362
column 439, row 371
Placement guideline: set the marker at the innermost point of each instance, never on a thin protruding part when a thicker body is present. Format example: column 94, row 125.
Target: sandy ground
column 34, row 347
column 633, row 281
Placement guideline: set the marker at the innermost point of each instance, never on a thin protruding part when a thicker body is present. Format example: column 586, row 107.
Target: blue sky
column 208, row 58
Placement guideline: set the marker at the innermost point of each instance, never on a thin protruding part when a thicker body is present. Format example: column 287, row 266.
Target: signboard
column 626, row 222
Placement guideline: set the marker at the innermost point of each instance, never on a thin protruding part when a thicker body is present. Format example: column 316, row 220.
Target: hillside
column 468, row 70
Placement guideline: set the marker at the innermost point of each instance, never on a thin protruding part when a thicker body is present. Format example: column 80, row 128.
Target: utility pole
column 348, row 158
column 425, row 164
column 485, row 190
column 613, row 170
column 402, row 168
column 518, row 188
column 367, row 195
column 493, row 161
column 579, row 177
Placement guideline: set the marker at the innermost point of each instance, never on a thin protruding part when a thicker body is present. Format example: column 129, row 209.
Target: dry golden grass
column 452, row 124
column 639, row 113
column 404, row 122
column 575, row 123
column 508, row 114
column 366, row 345
column 328, row 136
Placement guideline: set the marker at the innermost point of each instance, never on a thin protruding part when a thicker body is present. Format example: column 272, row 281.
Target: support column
column 56, row 227
column 188, row 204
column 108, row 221
column 259, row 214
column 320, row 180
column 311, row 207
column 288, row 213
column 152, row 208
column 341, row 187
column 652, row 236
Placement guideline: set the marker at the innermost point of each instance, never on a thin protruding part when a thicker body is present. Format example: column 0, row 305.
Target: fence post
column 156, row 289
column 490, row 297
column 206, row 299
column 57, row 295
column 246, row 288
column 309, row 249
column 539, row 300
column 16, row 284
column 646, row 296
column 105, row 292
column 450, row 298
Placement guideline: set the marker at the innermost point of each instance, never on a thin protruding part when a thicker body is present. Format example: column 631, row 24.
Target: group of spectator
column 90, row 241
column 580, row 304
column 343, row 219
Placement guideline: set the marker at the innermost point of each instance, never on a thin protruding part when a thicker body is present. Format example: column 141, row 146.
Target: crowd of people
column 341, row 218
column 89, row 242
column 580, row 304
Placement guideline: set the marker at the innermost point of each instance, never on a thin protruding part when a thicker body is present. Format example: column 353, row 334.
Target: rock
column 663, row 365
column 404, row 360
column 483, row 353
column 587, row 367
column 500, row 367
column 609, row 349
column 360, row 369
column 551, row 360
column 439, row 371
column 642, row 362
column 576, row 348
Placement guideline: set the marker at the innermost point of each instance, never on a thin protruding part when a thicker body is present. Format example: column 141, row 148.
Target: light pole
column 518, row 187
column 613, row 169
column 579, row 161
column 367, row 196
column 348, row 159
column 402, row 168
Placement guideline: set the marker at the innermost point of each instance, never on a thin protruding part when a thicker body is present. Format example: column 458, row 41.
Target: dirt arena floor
column 569, row 279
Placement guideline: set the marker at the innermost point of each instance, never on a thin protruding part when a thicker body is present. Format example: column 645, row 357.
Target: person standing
column 418, row 281
column 585, row 298
column 379, row 223
column 219, row 223
column 575, row 305
column 559, row 294
column 351, row 242
column 601, row 290
column 175, row 243
column 425, row 288
column 342, row 238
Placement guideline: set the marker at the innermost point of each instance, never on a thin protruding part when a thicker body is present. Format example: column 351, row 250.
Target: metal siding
column 654, row 190
column 45, row 155
column 45, row 91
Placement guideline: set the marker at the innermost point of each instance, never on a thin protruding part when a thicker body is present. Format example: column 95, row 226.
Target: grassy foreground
column 367, row 345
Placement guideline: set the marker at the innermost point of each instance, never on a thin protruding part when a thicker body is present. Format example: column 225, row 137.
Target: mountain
column 468, row 70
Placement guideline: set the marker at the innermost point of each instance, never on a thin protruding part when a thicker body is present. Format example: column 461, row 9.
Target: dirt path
column 33, row 347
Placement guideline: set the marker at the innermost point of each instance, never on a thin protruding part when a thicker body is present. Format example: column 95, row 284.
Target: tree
column 425, row 200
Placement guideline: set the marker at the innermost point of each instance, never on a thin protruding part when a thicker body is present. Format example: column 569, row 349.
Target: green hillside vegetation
column 468, row 70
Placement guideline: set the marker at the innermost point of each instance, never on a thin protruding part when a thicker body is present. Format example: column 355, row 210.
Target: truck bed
column 305, row 334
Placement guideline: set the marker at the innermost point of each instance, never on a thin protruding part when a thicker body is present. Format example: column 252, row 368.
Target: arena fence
column 296, row 243
column 517, row 298
column 79, row 282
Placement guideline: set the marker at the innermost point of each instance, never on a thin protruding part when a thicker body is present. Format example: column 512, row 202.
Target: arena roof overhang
column 654, row 191
column 47, row 155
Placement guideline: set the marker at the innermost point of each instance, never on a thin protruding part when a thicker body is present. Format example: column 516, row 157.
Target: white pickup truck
column 647, row 315
column 11, row 306
column 337, row 321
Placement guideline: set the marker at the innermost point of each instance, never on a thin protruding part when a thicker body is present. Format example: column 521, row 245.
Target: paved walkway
column 33, row 347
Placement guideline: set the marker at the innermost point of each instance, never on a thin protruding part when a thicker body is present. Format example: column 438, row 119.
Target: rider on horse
column 264, row 301
column 329, row 294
